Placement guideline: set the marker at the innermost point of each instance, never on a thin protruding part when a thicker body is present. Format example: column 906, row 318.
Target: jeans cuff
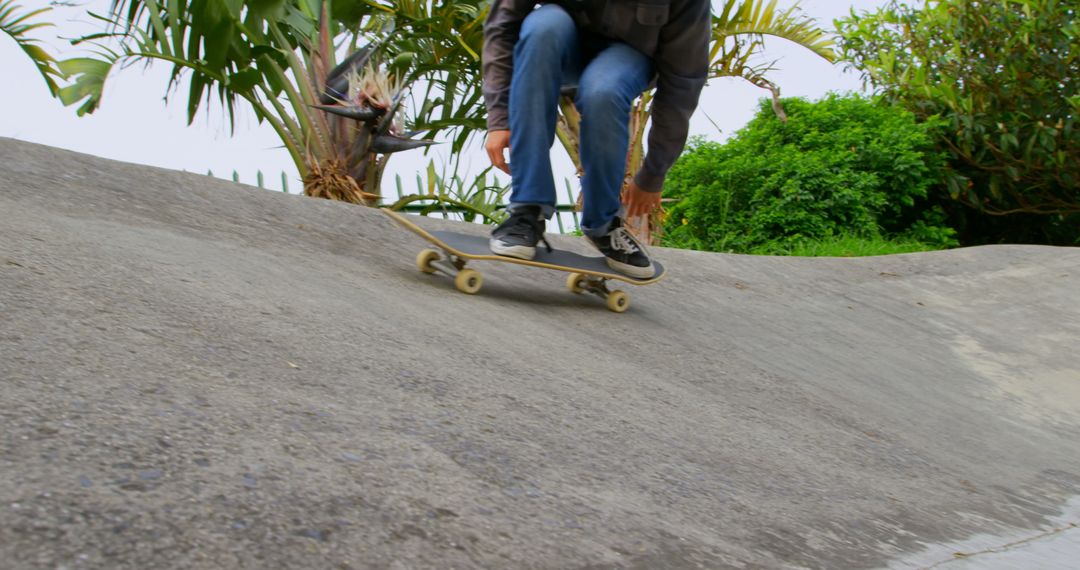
column 546, row 209
column 599, row 231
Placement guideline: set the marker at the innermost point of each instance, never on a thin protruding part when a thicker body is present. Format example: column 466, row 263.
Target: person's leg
column 546, row 56
column 609, row 84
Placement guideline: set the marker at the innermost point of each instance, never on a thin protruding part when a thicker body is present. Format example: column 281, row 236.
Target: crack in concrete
column 958, row 556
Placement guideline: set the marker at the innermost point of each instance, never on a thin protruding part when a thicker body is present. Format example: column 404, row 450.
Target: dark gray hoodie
column 674, row 33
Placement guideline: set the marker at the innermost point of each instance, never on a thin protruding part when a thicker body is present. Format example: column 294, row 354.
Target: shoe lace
column 623, row 240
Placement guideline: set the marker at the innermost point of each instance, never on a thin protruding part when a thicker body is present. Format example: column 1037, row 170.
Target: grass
column 843, row 246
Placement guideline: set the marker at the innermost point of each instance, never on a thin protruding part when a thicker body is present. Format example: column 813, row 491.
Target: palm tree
column 339, row 122
column 738, row 34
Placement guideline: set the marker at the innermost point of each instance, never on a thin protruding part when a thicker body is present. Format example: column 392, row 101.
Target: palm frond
column 739, row 32
column 756, row 17
column 17, row 24
column 87, row 81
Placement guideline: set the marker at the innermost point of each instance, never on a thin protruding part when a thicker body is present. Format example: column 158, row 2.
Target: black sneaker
column 624, row 252
column 519, row 234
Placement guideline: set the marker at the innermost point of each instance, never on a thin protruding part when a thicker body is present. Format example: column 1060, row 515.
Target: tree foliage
column 1005, row 77
column 339, row 123
column 738, row 36
column 17, row 24
column 840, row 166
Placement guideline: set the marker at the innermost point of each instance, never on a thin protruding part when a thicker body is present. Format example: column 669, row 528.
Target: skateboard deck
column 588, row 274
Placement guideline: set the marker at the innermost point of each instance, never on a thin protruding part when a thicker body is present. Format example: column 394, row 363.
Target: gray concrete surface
column 201, row 374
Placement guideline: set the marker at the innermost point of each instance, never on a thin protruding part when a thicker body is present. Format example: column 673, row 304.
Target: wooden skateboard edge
column 404, row 222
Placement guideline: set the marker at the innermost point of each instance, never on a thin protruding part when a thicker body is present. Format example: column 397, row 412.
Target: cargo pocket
column 652, row 13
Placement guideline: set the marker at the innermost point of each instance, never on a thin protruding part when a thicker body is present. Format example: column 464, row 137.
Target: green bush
column 842, row 166
column 1005, row 79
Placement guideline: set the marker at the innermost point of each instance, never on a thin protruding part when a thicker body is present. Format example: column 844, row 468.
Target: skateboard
column 588, row 274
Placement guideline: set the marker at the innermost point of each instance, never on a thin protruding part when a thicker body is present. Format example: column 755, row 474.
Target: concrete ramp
column 199, row 374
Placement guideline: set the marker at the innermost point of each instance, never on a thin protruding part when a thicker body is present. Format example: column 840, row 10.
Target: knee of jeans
column 598, row 100
column 548, row 23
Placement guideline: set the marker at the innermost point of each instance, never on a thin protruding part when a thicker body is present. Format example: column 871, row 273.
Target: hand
column 496, row 145
column 640, row 202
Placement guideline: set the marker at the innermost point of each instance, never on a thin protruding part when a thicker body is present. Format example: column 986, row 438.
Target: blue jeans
column 551, row 53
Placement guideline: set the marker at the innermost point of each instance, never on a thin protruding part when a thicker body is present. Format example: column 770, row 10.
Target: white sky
column 135, row 125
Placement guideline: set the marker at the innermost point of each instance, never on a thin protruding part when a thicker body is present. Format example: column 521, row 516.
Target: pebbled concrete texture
column 195, row 373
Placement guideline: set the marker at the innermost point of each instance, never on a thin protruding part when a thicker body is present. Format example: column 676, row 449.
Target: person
column 609, row 52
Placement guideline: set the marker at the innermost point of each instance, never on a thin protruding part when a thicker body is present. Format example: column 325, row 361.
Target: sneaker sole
column 632, row 270
column 518, row 251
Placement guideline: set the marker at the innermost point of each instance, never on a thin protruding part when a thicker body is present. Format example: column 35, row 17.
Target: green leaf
column 89, row 81
column 431, row 178
column 268, row 8
column 17, row 26
column 245, row 80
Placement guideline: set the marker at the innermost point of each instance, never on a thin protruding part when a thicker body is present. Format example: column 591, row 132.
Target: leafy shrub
column 1005, row 79
column 844, row 165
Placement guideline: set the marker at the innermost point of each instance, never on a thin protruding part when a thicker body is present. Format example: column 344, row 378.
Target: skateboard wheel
column 468, row 281
column 618, row 301
column 574, row 283
column 424, row 259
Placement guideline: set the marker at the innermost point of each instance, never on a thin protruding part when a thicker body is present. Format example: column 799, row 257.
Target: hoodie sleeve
column 501, row 29
column 682, row 65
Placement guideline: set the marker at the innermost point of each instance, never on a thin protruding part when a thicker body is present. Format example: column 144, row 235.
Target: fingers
column 648, row 206
column 498, row 159
column 641, row 203
column 498, row 142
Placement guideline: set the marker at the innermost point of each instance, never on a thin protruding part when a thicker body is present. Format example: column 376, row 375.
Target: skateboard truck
column 579, row 283
column 466, row 280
